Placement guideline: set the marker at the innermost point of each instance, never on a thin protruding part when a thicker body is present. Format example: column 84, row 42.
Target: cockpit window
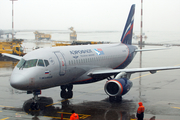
column 40, row 63
column 30, row 63
column 26, row 64
column 20, row 63
column 46, row 62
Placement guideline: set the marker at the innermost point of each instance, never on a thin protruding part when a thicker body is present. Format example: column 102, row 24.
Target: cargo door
column 62, row 63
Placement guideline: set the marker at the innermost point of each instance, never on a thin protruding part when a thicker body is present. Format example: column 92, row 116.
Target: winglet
column 128, row 29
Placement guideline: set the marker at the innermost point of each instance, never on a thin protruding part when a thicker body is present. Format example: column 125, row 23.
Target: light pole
column 140, row 64
column 13, row 18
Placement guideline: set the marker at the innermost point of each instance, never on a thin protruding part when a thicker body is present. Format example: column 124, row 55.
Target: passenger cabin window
column 40, row 63
column 46, row 62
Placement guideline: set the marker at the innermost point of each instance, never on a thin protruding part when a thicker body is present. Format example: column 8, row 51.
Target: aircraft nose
column 18, row 81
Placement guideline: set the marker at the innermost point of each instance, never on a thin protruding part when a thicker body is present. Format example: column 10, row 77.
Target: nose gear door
column 62, row 63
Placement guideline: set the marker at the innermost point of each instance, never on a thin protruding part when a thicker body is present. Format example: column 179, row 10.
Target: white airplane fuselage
column 68, row 65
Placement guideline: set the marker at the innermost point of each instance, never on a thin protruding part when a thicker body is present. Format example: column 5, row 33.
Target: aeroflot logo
column 99, row 51
column 75, row 52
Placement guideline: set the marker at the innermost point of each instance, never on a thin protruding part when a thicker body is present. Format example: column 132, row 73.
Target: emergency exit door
column 62, row 63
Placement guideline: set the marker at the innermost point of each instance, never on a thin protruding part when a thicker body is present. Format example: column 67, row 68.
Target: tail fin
column 128, row 29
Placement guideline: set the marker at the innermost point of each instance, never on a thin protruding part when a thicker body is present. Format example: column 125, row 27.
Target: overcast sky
column 95, row 15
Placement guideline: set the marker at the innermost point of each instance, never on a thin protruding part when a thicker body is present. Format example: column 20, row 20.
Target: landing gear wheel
column 115, row 98
column 34, row 106
column 118, row 98
column 66, row 91
column 69, row 87
column 70, row 94
column 63, row 94
column 112, row 98
column 63, row 87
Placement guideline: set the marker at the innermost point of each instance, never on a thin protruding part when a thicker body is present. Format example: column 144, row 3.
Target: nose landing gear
column 36, row 104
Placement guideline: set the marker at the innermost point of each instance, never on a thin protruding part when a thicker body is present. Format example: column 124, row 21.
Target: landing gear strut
column 66, row 91
column 34, row 104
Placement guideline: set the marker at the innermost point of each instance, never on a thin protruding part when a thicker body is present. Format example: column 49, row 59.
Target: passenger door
column 62, row 63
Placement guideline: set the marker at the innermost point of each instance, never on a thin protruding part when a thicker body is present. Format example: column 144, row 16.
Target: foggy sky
column 95, row 15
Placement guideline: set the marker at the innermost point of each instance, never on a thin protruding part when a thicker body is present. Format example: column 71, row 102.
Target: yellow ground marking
column 21, row 114
column 6, row 106
column 0, row 111
column 71, row 98
column 57, row 102
column 81, row 116
column 176, row 107
column 56, row 117
column 71, row 113
column 141, row 76
column 5, row 118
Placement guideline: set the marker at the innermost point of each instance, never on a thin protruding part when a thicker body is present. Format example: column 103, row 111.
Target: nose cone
column 18, row 81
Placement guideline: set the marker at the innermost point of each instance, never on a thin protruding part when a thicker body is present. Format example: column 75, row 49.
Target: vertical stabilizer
column 128, row 29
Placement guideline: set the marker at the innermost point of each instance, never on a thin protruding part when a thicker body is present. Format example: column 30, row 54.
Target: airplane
column 66, row 66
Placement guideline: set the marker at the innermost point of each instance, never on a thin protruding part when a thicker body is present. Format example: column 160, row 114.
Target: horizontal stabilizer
column 139, row 50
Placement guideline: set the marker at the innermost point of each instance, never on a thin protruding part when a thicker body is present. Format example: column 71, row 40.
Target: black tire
column 118, row 98
column 63, row 87
column 69, row 87
column 29, row 106
column 63, row 94
column 112, row 99
column 46, row 100
column 70, row 94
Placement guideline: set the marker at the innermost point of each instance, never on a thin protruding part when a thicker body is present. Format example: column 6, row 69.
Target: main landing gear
column 115, row 98
column 66, row 91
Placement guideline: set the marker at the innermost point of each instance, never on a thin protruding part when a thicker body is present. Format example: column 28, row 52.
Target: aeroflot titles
column 74, row 52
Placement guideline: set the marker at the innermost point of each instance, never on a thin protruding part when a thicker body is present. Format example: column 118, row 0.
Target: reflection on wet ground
column 97, row 110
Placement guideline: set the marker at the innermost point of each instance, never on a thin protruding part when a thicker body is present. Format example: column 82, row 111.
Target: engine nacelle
column 117, row 87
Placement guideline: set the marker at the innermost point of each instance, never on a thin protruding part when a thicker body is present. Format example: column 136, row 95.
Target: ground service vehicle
column 40, row 36
column 12, row 47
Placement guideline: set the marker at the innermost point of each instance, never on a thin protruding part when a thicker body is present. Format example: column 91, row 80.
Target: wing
column 109, row 72
column 12, row 56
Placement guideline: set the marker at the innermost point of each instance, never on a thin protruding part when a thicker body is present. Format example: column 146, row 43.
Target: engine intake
column 117, row 87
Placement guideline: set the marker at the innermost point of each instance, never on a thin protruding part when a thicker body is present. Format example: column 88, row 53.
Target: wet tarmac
column 159, row 92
